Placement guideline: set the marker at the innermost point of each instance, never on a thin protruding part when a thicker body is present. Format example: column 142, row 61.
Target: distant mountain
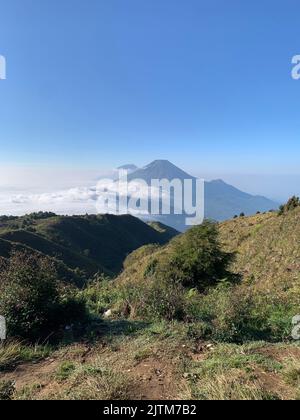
column 90, row 244
column 129, row 167
column 159, row 169
column 222, row 201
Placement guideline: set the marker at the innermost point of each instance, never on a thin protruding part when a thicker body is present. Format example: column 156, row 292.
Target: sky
column 205, row 84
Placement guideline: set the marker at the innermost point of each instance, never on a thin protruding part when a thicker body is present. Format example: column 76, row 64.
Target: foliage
column 291, row 205
column 232, row 313
column 32, row 299
column 90, row 243
column 196, row 259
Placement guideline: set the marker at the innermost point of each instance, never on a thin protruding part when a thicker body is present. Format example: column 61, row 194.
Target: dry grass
column 15, row 352
column 161, row 362
column 268, row 249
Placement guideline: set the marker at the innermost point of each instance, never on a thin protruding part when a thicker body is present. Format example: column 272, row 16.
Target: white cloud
column 76, row 200
column 28, row 189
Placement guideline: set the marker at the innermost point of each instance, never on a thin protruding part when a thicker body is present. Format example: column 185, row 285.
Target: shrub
column 238, row 313
column 192, row 262
column 292, row 204
column 196, row 259
column 151, row 300
column 32, row 297
column 101, row 294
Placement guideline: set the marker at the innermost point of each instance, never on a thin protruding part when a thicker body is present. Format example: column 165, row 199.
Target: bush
column 101, row 294
column 193, row 261
column 33, row 300
column 147, row 300
column 238, row 314
column 291, row 205
column 197, row 260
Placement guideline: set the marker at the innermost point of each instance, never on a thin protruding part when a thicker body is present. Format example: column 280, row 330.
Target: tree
column 197, row 260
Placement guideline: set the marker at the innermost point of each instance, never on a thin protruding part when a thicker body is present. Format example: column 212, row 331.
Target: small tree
column 197, row 260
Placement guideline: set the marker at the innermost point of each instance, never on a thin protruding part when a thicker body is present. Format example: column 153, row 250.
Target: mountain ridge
column 89, row 244
column 222, row 200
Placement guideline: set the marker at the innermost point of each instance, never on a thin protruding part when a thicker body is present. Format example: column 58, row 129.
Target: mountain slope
column 267, row 249
column 266, row 246
column 223, row 201
column 89, row 243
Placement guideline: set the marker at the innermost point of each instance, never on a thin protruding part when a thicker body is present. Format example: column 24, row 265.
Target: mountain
column 89, row 243
column 159, row 169
column 129, row 167
column 222, row 201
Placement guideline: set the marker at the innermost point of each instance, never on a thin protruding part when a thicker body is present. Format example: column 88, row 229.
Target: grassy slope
column 267, row 251
column 267, row 247
column 65, row 273
column 90, row 243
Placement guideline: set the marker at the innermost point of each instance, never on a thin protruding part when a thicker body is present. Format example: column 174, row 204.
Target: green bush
column 150, row 301
column 197, row 260
column 238, row 314
column 33, row 300
column 101, row 294
column 292, row 204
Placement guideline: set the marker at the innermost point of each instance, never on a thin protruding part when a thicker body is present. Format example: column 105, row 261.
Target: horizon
column 84, row 198
column 205, row 85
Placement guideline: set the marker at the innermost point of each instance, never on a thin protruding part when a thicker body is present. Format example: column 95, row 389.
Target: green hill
column 90, row 244
column 267, row 249
column 256, row 297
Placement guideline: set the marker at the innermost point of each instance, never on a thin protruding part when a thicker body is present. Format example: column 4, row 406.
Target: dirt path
column 155, row 380
column 28, row 375
column 152, row 378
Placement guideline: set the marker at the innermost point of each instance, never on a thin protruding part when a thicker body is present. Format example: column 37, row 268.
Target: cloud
column 99, row 198
column 26, row 189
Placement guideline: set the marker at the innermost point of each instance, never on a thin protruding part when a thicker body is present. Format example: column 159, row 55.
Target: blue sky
column 204, row 83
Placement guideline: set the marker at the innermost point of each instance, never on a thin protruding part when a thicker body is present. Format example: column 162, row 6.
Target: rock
column 107, row 314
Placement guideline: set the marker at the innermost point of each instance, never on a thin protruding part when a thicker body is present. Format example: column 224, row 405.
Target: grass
column 267, row 249
column 291, row 372
column 95, row 381
column 119, row 365
column 234, row 372
column 65, row 370
column 7, row 389
column 13, row 353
